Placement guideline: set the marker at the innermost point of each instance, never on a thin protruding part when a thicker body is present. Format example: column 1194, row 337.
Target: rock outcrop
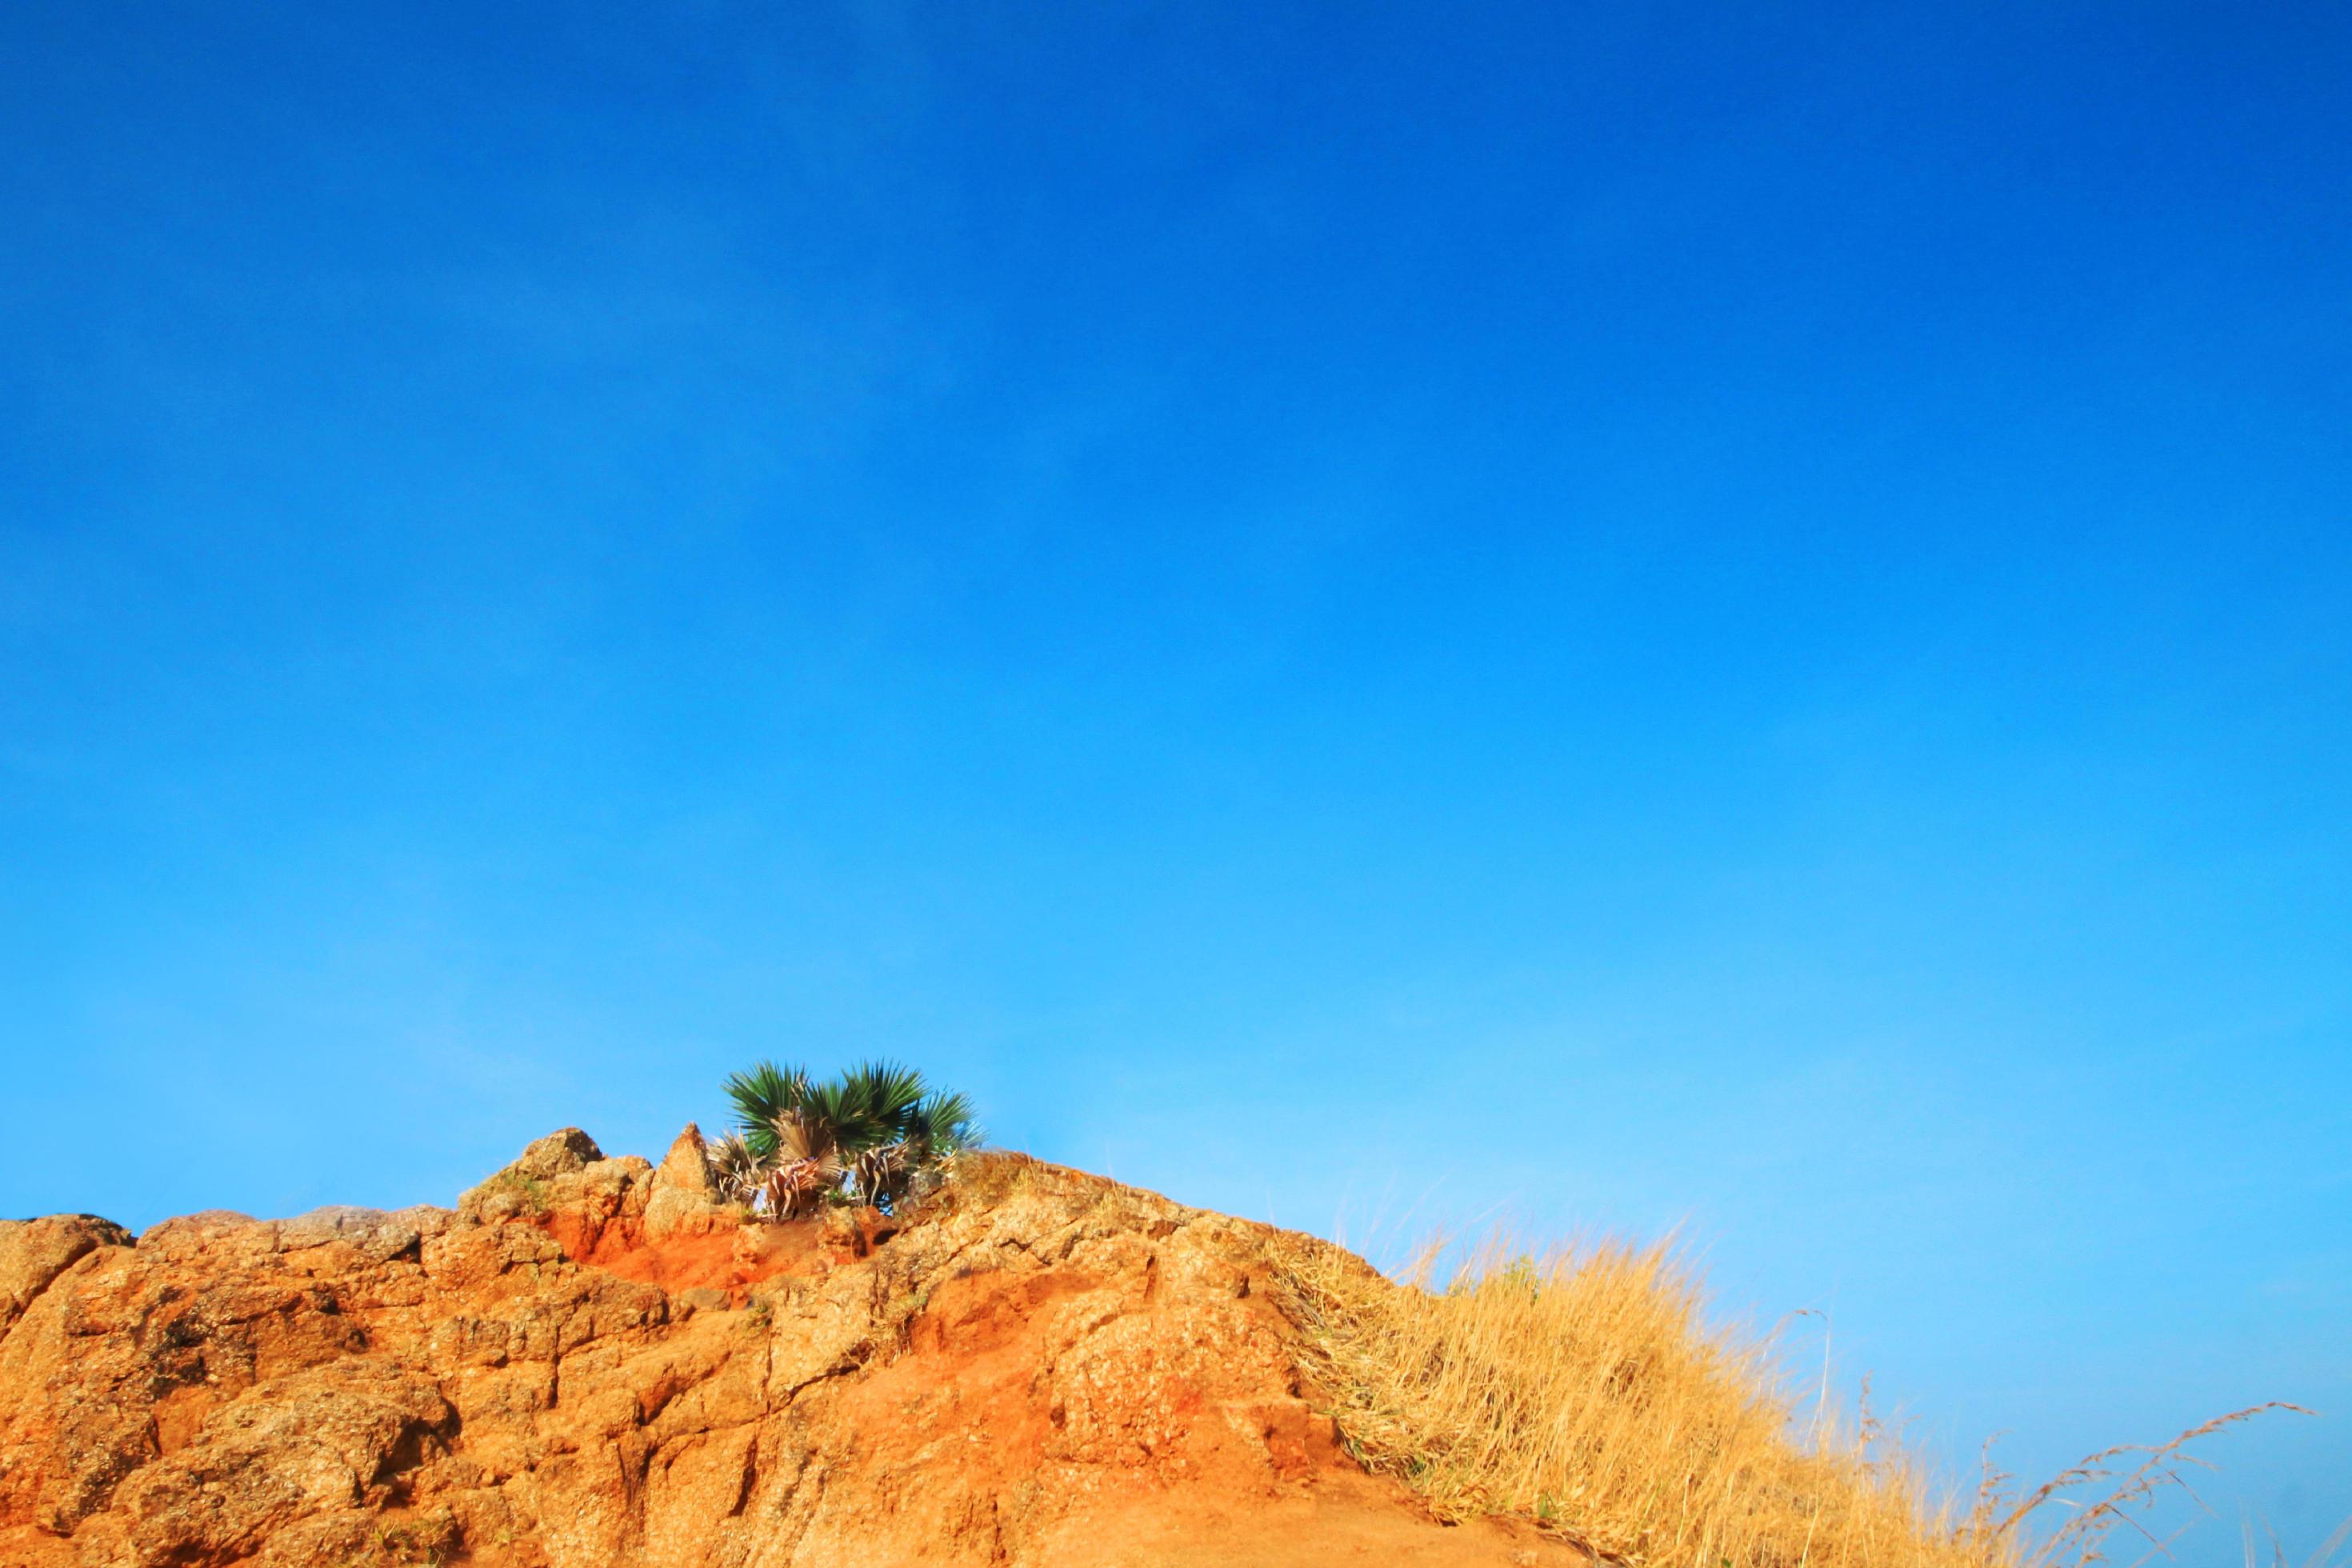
column 594, row 1361
column 34, row 1252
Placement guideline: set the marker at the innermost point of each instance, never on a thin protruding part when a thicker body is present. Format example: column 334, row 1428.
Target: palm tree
column 876, row 1126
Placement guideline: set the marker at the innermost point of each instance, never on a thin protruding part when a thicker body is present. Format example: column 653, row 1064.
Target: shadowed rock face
column 593, row 1362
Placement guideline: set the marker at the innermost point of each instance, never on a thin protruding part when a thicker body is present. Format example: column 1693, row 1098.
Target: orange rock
column 594, row 1363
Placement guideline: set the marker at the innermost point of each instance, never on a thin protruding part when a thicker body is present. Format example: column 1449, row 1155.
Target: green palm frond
column 879, row 1096
column 831, row 1106
column 943, row 1123
column 761, row 1095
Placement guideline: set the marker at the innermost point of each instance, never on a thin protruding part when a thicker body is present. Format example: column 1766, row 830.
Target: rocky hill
column 592, row 1363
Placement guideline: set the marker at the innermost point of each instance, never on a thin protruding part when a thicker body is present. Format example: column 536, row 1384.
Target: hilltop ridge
column 591, row 1362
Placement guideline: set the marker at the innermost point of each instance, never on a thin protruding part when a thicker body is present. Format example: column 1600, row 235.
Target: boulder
column 34, row 1252
column 685, row 1195
column 522, row 1188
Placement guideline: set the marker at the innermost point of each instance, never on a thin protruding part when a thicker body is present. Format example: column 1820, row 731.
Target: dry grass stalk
column 1584, row 1389
column 2081, row 1542
column 2278, row 1558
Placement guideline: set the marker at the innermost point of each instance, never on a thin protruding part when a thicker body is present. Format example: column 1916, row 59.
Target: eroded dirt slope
column 591, row 1363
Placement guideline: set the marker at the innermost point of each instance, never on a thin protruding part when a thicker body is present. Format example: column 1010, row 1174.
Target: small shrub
column 875, row 1134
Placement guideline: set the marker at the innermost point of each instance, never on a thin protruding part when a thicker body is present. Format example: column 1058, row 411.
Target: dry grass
column 2325, row 1557
column 1584, row 1389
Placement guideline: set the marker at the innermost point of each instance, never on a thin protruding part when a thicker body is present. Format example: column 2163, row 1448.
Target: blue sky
column 1725, row 617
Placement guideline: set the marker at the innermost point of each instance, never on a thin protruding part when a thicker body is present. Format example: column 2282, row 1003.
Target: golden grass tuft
column 1584, row 1389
